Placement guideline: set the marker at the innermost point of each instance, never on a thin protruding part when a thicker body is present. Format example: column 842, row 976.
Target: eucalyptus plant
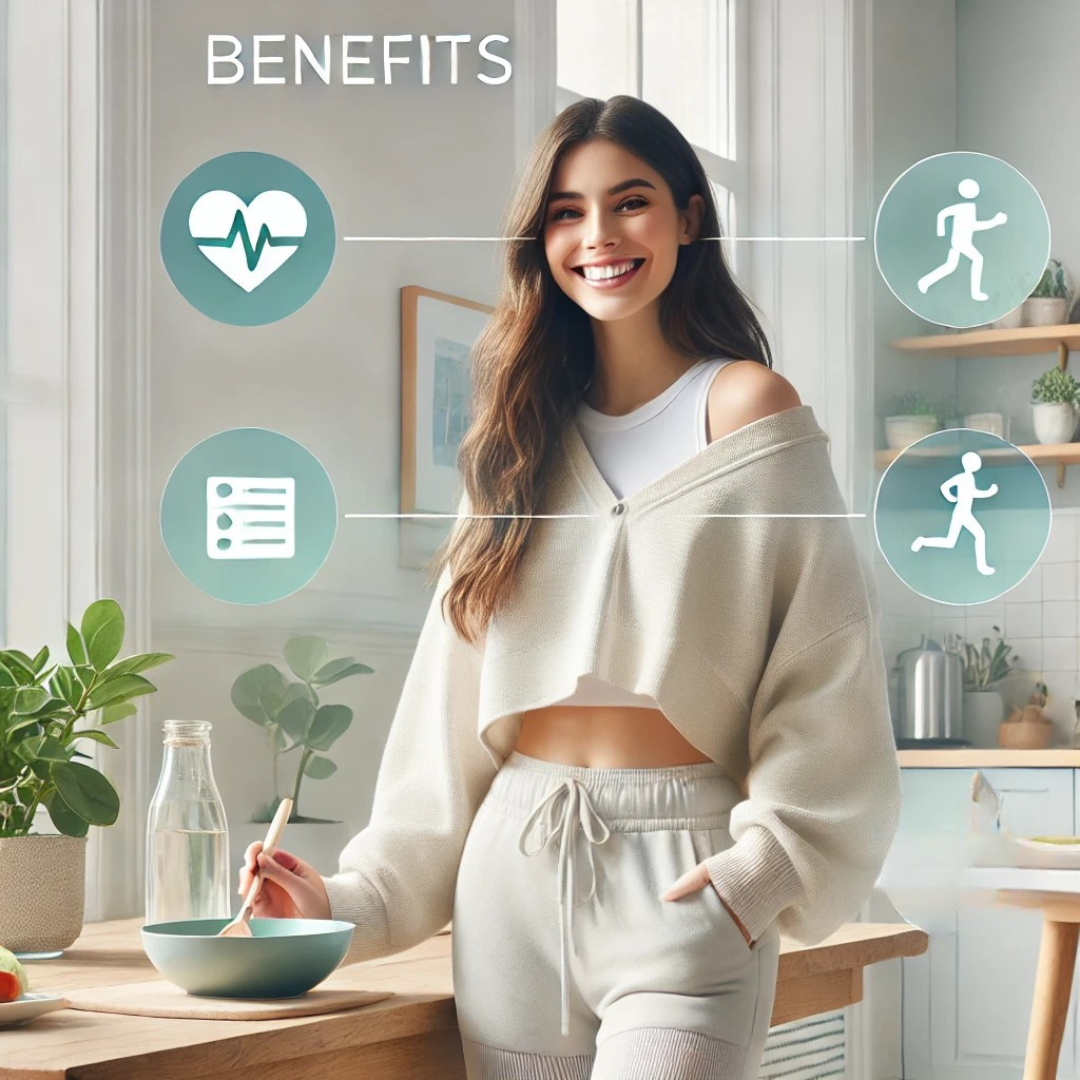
column 45, row 712
column 291, row 716
column 983, row 667
column 1054, row 386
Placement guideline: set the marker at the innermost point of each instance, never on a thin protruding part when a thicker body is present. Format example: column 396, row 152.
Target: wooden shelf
column 1041, row 454
column 968, row 757
column 1023, row 341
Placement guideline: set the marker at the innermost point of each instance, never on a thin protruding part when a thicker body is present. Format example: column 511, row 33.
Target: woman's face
column 607, row 206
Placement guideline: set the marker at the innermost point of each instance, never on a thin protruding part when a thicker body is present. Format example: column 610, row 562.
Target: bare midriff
column 604, row 737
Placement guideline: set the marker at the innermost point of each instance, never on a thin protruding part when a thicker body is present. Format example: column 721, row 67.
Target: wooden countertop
column 966, row 757
column 410, row 1036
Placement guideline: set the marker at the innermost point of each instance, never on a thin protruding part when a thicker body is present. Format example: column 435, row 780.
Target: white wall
column 1012, row 102
column 984, row 75
column 397, row 160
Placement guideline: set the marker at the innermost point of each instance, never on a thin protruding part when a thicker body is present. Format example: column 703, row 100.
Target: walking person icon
column 965, row 225
column 966, row 493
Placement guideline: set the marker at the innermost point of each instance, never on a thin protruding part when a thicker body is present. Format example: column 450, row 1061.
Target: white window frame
column 76, row 281
column 732, row 173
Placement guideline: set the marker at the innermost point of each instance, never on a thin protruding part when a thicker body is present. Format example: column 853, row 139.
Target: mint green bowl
column 282, row 958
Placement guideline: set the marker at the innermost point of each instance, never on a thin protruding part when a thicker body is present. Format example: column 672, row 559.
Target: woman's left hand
column 698, row 878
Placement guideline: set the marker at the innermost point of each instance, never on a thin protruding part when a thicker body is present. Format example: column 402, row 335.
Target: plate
column 28, row 1007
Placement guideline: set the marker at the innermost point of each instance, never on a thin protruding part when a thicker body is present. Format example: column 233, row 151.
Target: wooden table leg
column 1053, row 984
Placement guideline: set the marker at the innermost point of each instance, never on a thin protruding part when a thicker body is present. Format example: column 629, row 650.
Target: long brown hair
column 534, row 359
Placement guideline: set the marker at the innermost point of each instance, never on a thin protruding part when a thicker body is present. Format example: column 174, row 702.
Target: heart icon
column 247, row 242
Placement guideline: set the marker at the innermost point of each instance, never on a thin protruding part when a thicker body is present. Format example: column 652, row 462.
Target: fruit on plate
column 13, row 980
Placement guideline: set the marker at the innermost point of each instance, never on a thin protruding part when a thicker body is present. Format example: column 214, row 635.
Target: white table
column 1057, row 894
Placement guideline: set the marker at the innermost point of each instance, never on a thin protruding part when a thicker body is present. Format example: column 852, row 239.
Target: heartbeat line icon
column 221, row 224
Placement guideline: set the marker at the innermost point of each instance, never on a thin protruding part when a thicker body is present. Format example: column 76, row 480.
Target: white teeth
column 601, row 273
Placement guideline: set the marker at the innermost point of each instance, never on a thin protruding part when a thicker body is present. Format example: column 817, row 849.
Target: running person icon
column 966, row 493
column 965, row 225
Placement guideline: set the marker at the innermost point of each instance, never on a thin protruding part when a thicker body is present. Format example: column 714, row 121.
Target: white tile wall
column 1039, row 618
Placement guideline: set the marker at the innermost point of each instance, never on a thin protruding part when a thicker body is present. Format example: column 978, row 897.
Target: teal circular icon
column 247, row 238
column 961, row 238
column 962, row 516
column 248, row 515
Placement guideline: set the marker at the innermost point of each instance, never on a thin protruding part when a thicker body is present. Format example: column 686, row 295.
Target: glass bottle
column 187, row 840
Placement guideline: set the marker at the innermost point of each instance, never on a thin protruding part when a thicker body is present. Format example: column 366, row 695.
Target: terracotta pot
column 1024, row 735
column 42, row 892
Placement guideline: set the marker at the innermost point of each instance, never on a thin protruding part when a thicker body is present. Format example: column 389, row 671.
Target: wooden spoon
column 239, row 926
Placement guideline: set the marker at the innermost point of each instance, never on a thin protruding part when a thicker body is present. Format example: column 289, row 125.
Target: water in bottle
column 187, row 842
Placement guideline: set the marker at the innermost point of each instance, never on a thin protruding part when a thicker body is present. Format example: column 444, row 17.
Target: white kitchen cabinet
column 967, row 1000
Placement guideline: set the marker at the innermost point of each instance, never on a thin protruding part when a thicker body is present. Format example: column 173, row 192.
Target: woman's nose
column 600, row 228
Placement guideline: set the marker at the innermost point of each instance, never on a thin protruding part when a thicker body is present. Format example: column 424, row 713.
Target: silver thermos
column 929, row 696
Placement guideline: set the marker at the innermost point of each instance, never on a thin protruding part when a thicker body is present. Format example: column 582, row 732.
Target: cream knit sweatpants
column 567, row 964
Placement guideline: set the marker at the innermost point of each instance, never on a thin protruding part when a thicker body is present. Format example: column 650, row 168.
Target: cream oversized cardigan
column 731, row 590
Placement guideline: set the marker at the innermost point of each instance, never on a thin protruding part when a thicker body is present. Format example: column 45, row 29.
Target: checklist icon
column 250, row 517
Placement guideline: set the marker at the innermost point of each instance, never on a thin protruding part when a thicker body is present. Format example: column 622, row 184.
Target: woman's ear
column 692, row 216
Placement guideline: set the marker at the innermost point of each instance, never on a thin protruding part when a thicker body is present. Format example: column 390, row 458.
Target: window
column 687, row 59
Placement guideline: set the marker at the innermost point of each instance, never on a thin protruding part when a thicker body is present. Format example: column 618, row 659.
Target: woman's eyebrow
column 556, row 195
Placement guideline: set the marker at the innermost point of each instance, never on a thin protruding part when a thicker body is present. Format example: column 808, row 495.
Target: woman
column 660, row 655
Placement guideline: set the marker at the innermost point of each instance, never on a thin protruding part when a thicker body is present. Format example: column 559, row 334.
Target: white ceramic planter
column 991, row 422
column 983, row 711
column 902, row 431
column 1044, row 311
column 1055, row 421
column 42, row 892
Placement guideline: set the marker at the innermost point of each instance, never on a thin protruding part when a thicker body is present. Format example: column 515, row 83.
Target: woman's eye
column 626, row 202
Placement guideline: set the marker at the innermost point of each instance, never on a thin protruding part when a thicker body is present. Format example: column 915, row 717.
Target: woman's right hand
column 291, row 888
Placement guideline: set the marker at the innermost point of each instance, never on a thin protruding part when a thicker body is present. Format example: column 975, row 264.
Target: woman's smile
column 610, row 276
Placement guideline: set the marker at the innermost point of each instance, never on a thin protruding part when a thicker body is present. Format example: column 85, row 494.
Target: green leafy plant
column 1054, row 386
column 41, row 709
column 983, row 667
column 1052, row 283
column 291, row 717
column 914, row 404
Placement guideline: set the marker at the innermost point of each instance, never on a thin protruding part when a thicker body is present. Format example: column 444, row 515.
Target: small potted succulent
column 45, row 720
column 911, row 418
column 293, row 721
column 984, row 707
column 1054, row 406
column 1049, row 299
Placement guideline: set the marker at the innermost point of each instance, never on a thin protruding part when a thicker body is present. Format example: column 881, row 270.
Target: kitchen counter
column 966, row 757
column 410, row 1036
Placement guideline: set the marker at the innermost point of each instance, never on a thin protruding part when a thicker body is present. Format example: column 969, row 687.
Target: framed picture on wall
column 437, row 335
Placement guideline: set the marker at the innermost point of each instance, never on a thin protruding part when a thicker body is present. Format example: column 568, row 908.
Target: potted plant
column 911, row 418
column 1028, row 728
column 293, row 721
column 1054, row 406
column 1046, row 304
column 984, row 708
column 45, row 712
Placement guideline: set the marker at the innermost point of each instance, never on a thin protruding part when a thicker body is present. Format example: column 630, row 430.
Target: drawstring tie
column 559, row 820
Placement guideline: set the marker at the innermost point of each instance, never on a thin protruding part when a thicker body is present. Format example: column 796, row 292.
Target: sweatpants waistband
column 696, row 796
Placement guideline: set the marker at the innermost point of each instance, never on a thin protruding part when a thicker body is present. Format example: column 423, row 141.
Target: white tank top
column 631, row 451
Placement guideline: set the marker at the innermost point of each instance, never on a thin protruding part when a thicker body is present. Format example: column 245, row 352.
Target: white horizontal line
column 740, row 239
column 453, row 517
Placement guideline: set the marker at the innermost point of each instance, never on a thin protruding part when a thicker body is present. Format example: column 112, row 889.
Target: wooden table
column 410, row 1036
column 1056, row 893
